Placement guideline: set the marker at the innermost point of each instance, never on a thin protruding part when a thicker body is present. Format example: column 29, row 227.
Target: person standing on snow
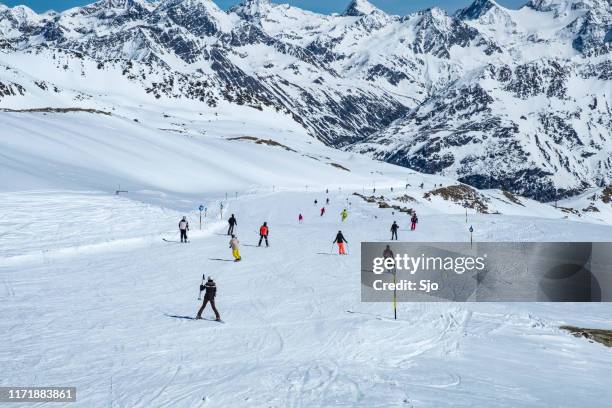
column 183, row 228
column 322, row 211
column 209, row 296
column 327, row 201
column 344, row 214
column 300, row 218
column 414, row 220
column 388, row 253
column 340, row 240
column 394, row 228
column 234, row 245
column 315, row 203
column 232, row 222
column 263, row 234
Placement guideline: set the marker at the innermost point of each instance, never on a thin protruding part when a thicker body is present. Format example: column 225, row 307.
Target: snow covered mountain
column 119, row 118
column 534, row 117
column 519, row 99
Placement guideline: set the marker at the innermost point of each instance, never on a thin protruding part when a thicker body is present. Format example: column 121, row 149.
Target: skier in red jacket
column 263, row 234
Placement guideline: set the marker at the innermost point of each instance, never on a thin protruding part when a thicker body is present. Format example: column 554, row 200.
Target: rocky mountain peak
column 252, row 9
column 359, row 8
column 476, row 9
column 561, row 6
column 19, row 13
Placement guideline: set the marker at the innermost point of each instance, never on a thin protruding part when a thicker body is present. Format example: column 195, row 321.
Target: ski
column 211, row 320
column 194, row 318
column 175, row 242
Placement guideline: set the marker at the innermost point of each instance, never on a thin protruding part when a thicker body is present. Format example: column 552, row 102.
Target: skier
column 233, row 244
column 327, row 201
column 340, row 240
column 394, row 228
column 414, row 220
column 391, row 189
column 300, row 218
column 322, row 211
column 232, row 223
column 326, row 191
column 315, row 203
column 209, row 296
column 344, row 214
column 388, row 253
column 263, row 234
column 422, row 184
column 183, row 228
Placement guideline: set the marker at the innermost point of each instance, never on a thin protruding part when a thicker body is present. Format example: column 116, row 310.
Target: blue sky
column 400, row 7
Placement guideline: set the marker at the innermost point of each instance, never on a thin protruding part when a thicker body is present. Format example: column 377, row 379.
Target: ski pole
column 201, row 287
column 348, row 249
column 394, row 294
column 331, row 251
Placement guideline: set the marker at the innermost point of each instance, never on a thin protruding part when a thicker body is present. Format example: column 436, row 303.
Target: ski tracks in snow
column 321, row 384
column 289, row 341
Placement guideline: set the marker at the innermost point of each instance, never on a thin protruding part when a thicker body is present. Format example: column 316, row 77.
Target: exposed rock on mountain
column 519, row 99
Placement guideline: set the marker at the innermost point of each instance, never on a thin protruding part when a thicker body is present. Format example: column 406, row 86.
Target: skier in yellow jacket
column 234, row 245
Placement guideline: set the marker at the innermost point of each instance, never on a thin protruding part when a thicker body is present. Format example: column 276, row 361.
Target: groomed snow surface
column 93, row 297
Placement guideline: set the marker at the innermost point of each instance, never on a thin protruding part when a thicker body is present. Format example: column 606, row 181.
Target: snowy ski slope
column 92, row 297
column 103, row 311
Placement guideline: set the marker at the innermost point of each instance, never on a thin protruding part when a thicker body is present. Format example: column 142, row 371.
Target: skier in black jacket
column 394, row 228
column 232, row 222
column 340, row 240
column 209, row 296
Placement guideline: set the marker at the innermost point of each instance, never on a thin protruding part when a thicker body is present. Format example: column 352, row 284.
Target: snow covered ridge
column 519, row 99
